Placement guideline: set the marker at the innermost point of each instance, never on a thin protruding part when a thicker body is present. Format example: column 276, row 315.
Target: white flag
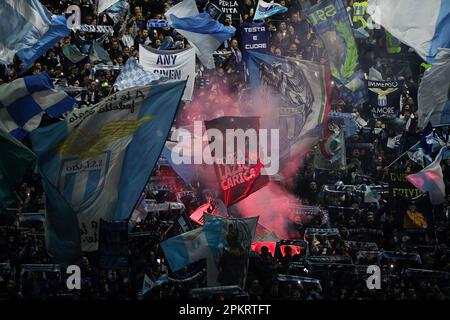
column 105, row 4
column 174, row 65
column 433, row 90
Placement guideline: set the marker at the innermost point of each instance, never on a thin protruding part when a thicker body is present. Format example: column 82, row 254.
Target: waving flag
column 204, row 33
column 331, row 152
column 134, row 75
column 22, row 24
column 297, row 95
column 427, row 32
column 430, row 179
column 236, row 181
column 105, row 4
column 187, row 248
column 118, row 10
column 24, row 101
column 72, row 53
column 267, row 9
column 336, row 33
column 230, row 242
column 433, row 99
column 100, row 158
column 58, row 29
column 14, row 161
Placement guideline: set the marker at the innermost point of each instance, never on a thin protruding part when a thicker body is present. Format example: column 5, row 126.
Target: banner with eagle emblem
column 384, row 98
column 99, row 158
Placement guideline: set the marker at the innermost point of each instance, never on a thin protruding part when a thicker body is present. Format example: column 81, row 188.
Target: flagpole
column 398, row 158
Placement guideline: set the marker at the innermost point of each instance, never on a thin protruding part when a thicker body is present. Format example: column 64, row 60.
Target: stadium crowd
column 368, row 156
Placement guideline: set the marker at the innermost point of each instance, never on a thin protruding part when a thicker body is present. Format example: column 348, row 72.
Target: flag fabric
column 330, row 154
column 139, row 214
column 99, row 54
column 384, row 98
column 371, row 196
column 430, row 179
column 133, row 75
column 296, row 93
column 202, row 23
column 72, row 53
column 118, row 10
column 58, row 29
column 230, row 242
column 24, row 101
column 347, row 120
column 432, row 97
column 266, row 9
column 429, row 143
column 15, row 160
column 336, row 33
column 187, row 248
column 105, row 4
column 205, row 41
column 172, row 64
column 236, row 181
column 427, row 32
column 99, row 159
column 149, row 284
column 22, row 24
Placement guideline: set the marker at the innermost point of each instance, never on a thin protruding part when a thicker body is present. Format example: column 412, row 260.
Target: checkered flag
column 134, row 75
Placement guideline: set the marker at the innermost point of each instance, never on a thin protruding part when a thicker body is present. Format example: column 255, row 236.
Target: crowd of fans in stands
column 367, row 159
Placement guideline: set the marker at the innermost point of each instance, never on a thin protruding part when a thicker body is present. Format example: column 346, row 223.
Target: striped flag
column 134, row 75
column 24, row 101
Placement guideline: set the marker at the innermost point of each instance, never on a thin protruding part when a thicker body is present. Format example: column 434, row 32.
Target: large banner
column 236, row 181
column 230, row 242
column 255, row 37
column 399, row 186
column 172, row 64
column 384, row 98
column 113, row 245
column 331, row 23
column 296, row 93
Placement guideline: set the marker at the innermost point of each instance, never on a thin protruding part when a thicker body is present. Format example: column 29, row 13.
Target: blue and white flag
column 431, row 180
column 187, row 248
column 118, row 10
column 432, row 97
column 58, row 29
column 267, row 9
column 98, row 53
column 72, row 53
column 206, row 37
column 22, row 24
column 100, row 158
column 149, row 284
column 348, row 120
column 422, row 25
column 134, row 75
column 105, row 4
column 24, row 101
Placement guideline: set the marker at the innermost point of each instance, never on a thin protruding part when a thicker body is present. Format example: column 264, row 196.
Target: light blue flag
column 58, row 29
column 347, row 119
column 267, row 9
column 72, row 53
column 431, row 17
column 187, row 248
column 118, row 10
column 22, row 24
column 24, row 101
column 99, row 54
column 203, row 24
column 100, row 158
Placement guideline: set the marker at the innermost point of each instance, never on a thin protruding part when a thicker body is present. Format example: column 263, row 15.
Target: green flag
column 15, row 159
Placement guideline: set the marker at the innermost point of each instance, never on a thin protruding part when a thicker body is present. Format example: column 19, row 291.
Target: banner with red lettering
column 238, row 169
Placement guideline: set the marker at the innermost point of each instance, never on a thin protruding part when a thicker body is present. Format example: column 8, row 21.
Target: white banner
column 175, row 65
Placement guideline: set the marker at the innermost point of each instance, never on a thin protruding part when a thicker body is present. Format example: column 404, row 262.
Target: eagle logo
column 382, row 95
column 84, row 145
